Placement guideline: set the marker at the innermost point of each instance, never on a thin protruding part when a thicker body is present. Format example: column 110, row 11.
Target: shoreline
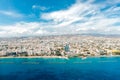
column 105, row 56
column 61, row 57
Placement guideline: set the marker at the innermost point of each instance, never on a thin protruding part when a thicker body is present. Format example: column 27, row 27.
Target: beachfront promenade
column 60, row 46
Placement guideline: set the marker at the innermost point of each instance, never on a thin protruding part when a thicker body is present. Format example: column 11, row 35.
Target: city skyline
column 43, row 17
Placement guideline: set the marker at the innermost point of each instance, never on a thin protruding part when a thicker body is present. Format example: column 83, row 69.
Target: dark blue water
column 60, row 69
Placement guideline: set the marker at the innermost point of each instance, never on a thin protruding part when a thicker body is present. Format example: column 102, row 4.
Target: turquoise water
column 60, row 69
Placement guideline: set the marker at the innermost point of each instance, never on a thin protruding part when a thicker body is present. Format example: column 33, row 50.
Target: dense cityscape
column 64, row 46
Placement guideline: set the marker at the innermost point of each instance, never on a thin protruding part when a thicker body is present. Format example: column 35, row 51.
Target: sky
column 56, row 17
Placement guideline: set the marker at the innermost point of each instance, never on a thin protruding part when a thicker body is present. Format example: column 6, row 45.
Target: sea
column 92, row 68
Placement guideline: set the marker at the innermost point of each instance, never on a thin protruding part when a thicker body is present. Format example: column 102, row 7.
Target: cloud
column 81, row 17
column 25, row 29
column 39, row 7
column 77, row 12
column 112, row 1
column 11, row 13
column 85, row 17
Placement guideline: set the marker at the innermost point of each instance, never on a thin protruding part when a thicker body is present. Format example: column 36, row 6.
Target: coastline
column 61, row 57
column 104, row 56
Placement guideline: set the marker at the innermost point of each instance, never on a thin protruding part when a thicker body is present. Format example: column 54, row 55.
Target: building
column 67, row 48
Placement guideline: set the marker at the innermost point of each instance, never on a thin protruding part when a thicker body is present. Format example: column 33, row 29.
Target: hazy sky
column 51, row 17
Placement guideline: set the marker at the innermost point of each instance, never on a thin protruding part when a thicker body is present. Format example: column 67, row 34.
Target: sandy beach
column 37, row 57
column 64, row 57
